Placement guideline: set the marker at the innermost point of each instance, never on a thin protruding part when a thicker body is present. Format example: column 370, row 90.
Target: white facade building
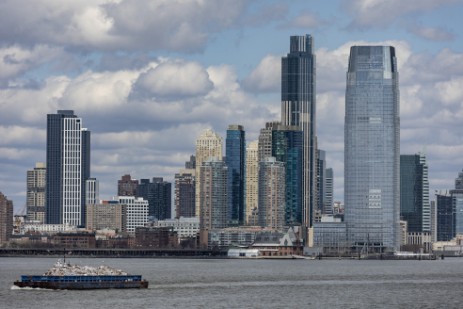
column 137, row 211
column 185, row 227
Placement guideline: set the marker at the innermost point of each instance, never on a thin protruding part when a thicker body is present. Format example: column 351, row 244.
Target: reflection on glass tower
column 372, row 157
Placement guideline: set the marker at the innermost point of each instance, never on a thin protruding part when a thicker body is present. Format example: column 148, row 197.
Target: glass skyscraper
column 68, row 167
column 371, row 152
column 235, row 152
column 298, row 107
column 287, row 148
column 414, row 193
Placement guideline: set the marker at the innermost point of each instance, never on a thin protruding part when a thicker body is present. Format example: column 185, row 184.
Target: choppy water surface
column 184, row 283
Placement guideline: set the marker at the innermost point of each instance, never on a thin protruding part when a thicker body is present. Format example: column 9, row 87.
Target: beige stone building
column 35, row 200
column 252, row 182
column 6, row 219
column 107, row 215
column 208, row 145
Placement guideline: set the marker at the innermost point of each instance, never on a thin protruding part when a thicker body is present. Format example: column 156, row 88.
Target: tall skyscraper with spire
column 68, row 167
column 371, row 152
column 298, row 108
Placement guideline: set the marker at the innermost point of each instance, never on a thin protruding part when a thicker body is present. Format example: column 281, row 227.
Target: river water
column 228, row 283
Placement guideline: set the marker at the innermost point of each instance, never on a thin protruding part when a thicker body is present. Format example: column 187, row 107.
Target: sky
column 148, row 76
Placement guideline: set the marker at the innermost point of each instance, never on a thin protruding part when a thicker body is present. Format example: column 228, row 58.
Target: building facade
column 445, row 217
column 92, row 191
column 457, row 199
column 371, row 152
column 414, row 193
column 252, row 182
column 137, row 211
column 213, row 197
column 265, row 140
column 328, row 192
column 298, row 108
column 185, row 227
column 208, row 145
column 68, row 167
column 6, row 219
column 272, row 195
column 235, row 151
column 287, row 147
column 156, row 237
column 35, row 199
column 158, row 193
column 320, row 184
column 127, row 186
column 184, row 193
column 109, row 215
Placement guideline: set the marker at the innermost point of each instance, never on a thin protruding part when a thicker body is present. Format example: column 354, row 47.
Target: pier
column 122, row 253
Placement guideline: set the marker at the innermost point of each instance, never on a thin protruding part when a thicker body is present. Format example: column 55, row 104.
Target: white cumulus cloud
column 173, row 79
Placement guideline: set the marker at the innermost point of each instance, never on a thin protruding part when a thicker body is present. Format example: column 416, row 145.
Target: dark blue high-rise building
column 445, row 208
column 158, row 193
column 414, row 193
column 298, row 108
column 287, row 148
column 68, row 167
column 235, row 161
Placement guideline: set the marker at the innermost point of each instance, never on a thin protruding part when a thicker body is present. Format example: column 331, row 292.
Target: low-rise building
column 156, row 237
column 233, row 236
column 330, row 237
column 49, row 229
column 74, row 240
column 279, row 244
column 185, row 227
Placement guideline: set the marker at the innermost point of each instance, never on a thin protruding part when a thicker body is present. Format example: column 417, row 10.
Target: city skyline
column 133, row 87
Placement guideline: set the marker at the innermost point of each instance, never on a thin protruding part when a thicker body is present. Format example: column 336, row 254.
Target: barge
column 73, row 277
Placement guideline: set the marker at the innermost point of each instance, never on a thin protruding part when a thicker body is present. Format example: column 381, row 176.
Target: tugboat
column 64, row 276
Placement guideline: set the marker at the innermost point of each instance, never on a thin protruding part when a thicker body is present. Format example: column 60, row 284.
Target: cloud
column 17, row 135
column 264, row 14
column 432, row 34
column 15, row 60
column 266, row 77
column 176, row 25
column 175, row 79
column 98, row 91
column 306, row 20
column 450, row 91
column 378, row 13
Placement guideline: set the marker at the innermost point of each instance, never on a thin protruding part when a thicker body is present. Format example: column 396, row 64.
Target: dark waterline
column 192, row 283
